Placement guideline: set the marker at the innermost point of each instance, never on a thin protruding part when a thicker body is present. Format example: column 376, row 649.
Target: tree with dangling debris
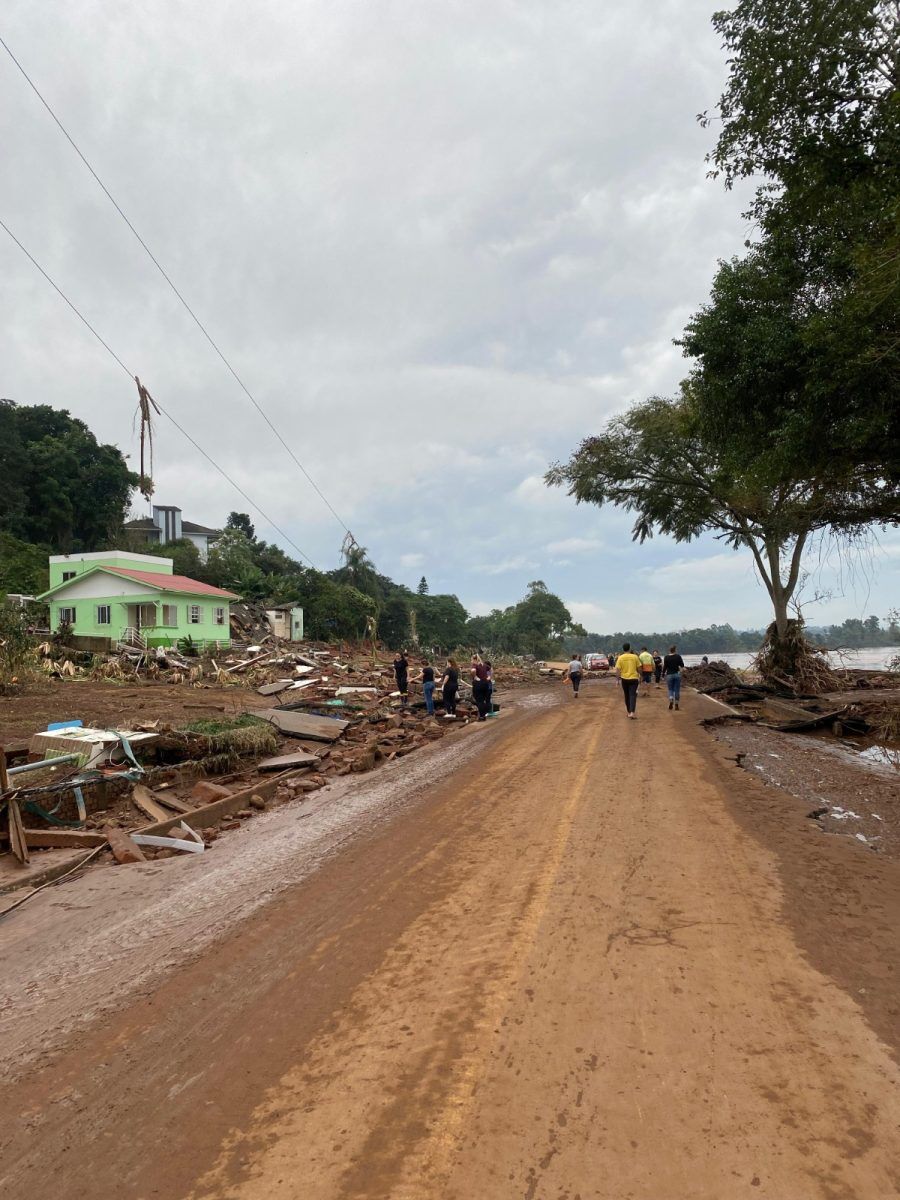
column 358, row 570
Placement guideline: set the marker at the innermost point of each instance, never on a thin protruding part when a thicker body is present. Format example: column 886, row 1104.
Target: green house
column 115, row 596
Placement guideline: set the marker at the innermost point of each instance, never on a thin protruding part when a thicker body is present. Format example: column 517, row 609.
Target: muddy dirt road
column 564, row 971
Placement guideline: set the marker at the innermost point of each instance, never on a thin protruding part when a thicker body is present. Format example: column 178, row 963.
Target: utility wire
column 168, row 280
column 106, row 346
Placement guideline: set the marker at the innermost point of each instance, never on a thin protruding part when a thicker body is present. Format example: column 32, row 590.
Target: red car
column 596, row 662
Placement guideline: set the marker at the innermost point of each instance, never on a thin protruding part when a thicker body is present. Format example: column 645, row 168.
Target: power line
column 106, row 346
column 168, row 280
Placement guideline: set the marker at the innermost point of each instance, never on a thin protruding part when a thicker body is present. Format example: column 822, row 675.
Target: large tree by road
column 657, row 461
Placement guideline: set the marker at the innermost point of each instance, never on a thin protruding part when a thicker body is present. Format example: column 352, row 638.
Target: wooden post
column 17, row 842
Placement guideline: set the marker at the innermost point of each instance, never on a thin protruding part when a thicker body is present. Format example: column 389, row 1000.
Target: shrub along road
column 566, row 970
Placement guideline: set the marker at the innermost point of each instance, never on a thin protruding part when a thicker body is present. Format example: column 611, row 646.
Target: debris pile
column 711, row 677
column 790, row 663
column 306, row 714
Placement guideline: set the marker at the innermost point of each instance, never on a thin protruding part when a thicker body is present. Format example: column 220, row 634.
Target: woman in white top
column 574, row 671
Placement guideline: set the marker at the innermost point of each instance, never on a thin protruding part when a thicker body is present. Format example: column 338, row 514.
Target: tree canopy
column 537, row 625
column 58, row 486
column 812, row 106
column 659, row 461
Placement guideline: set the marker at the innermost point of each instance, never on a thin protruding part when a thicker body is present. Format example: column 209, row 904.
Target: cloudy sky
column 440, row 241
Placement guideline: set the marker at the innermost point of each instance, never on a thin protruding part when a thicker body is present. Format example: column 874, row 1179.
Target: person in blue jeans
column 427, row 678
column 672, row 666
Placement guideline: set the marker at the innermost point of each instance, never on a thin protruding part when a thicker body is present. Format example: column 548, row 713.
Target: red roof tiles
column 173, row 583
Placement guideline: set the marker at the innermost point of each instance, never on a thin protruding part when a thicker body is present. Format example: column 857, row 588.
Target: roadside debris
column 302, row 715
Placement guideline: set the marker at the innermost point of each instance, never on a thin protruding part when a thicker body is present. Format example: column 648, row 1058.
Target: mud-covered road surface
column 563, row 956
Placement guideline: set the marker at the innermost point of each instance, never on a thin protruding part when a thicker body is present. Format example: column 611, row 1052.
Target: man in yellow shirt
column 628, row 666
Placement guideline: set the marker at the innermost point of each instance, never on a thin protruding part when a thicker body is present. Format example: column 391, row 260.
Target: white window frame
column 67, row 575
column 64, row 615
column 195, row 614
column 219, row 616
column 101, row 609
column 170, row 616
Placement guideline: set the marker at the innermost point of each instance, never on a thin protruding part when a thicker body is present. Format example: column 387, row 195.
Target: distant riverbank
column 867, row 658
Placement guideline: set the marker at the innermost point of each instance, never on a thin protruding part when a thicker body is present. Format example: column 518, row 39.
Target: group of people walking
column 636, row 669
column 482, row 684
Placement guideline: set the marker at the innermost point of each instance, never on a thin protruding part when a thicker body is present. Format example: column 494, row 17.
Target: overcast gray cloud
column 440, row 241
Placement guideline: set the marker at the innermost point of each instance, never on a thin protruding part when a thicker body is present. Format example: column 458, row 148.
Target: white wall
column 201, row 541
column 101, row 584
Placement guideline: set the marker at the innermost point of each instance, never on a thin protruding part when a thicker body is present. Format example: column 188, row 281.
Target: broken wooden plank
column 144, row 799
column 210, row 813
column 317, row 729
column 123, row 848
column 175, row 803
column 283, row 762
column 53, row 839
column 272, row 689
column 17, row 842
column 249, row 662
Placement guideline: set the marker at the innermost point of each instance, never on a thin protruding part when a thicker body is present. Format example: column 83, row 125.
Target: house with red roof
column 114, row 597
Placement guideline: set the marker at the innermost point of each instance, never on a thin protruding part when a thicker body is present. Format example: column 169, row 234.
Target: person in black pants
column 657, row 666
column 450, row 688
column 401, row 673
column 629, row 666
column 481, row 688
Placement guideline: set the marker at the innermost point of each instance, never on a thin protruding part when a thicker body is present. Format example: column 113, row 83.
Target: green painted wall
column 122, row 616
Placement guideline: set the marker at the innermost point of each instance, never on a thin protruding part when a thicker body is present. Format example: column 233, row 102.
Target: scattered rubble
column 303, row 714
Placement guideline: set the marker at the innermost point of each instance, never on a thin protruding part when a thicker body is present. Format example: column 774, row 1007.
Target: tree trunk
column 780, row 605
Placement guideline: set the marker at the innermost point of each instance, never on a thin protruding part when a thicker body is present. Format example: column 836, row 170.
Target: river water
column 869, row 658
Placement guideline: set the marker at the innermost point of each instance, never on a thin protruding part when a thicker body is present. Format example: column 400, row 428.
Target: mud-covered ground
column 849, row 793
column 103, row 705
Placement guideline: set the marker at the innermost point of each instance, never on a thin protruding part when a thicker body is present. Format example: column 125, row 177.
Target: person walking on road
column 646, row 667
column 657, row 666
column 401, row 674
column 629, row 667
column 450, row 688
column 574, row 672
column 672, row 666
column 481, row 691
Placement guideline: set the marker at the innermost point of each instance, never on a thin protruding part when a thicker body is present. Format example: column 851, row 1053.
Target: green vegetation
column 855, row 633
column 59, row 487
column 23, row 566
column 715, row 639
column 539, row 625
column 211, row 726
column 15, row 646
